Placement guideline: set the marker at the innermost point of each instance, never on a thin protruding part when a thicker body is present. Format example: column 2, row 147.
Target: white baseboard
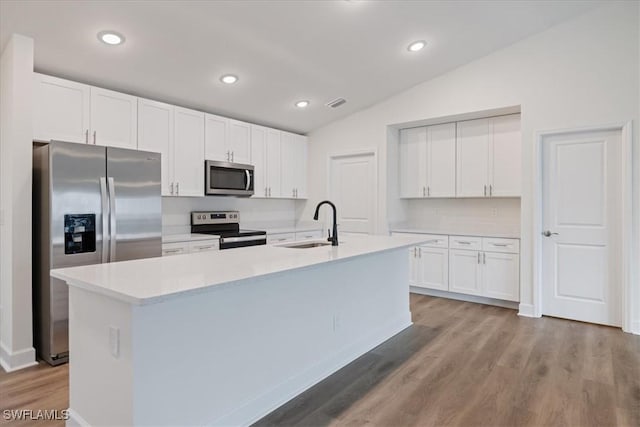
column 13, row 361
column 527, row 310
column 257, row 408
column 75, row 420
column 635, row 327
column 463, row 297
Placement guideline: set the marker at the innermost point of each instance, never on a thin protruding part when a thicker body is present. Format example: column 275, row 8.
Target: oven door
column 228, row 179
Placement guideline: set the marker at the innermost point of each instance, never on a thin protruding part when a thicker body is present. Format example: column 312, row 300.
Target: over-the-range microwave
column 228, row 179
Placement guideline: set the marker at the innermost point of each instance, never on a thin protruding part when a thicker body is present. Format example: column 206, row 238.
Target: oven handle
column 248, row 179
column 242, row 239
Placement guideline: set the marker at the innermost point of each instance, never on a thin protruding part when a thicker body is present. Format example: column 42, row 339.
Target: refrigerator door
column 134, row 186
column 76, row 233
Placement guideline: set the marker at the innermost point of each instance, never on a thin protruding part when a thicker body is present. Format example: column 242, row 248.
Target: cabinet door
column 273, row 163
column 414, row 267
column 501, row 278
column 216, row 129
column 464, row 272
column 169, row 249
column 155, row 133
column 472, row 163
column 300, row 156
column 204, row 246
column 259, row 161
column 413, row 157
column 114, row 119
column 239, row 142
column 287, row 159
column 434, row 268
column 505, row 158
column 188, row 152
column 61, row 110
column 441, row 160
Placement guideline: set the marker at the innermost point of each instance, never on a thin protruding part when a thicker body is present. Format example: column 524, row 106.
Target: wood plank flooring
column 460, row 364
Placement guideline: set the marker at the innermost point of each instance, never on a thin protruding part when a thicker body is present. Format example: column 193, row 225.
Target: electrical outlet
column 114, row 341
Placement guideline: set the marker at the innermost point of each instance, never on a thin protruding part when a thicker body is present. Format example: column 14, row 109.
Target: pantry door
column 581, row 245
column 353, row 188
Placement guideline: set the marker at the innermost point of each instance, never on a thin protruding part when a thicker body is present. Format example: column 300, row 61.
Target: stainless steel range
column 226, row 225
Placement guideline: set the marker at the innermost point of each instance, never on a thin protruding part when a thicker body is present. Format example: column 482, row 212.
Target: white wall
column 582, row 72
column 261, row 213
column 16, row 77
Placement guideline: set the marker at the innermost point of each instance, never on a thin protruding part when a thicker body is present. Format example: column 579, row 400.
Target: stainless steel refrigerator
column 91, row 205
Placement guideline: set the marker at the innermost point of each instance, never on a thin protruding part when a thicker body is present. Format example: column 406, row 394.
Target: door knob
column 548, row 233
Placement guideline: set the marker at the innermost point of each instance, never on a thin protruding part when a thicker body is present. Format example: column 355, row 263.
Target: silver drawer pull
column 502, row 245
column 205, row 247
column 431, row 241
column 172, row 251
column 463, row 243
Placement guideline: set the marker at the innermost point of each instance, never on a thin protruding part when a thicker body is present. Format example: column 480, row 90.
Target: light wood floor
column 460, row 364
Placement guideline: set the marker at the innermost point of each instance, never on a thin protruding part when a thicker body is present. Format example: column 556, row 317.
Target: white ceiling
column 282, row 51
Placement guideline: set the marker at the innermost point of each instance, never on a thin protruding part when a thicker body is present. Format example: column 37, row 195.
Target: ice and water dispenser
column 79, row 233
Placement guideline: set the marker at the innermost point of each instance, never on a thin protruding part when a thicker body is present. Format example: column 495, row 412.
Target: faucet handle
column 329, row 234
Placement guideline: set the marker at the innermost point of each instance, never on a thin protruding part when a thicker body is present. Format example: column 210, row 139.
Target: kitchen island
column 223, row 338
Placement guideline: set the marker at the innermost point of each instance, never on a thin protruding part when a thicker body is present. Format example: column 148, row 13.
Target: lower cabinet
column 189, row 247
column 440, row 264
column 276, row 238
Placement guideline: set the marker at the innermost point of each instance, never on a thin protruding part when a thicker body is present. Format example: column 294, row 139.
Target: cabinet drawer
column 175, row 248
column 494, row 244
column 204, row 246
column 465, row 242
column 308, row 235
column 280, row 238
column 435, row 241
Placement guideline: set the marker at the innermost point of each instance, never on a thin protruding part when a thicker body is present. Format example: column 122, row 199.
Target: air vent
column 336, row 102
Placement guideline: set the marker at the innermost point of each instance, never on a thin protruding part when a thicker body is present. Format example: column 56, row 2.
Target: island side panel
column 100, row 380
column 232, row 354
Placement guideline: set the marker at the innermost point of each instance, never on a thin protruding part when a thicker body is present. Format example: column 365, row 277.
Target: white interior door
column 581, row 249
column 353, row 190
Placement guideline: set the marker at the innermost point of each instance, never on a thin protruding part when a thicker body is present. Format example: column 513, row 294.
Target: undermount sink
column 305, row 245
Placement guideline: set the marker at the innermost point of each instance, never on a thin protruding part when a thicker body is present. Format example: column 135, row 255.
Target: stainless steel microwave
column 228, row 179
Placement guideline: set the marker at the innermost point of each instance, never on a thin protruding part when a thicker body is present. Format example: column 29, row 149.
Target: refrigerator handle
column 112, row 217
column 105, row 218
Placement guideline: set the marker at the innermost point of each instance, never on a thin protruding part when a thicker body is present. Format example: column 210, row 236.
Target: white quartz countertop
column 459, row 232
column 152, row 280
column 187, row 237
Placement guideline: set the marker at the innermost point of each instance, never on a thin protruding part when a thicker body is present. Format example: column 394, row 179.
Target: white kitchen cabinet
column 433, row 267
column 293, row 165
column 204, row 246
column 413, row 157
column 280, row 238
column 189, row 247
column 114, row 119
column 465, row 274
column 265, row 157
column 488, row 157
column 505, row 157
column 414, row 267
column 428, row 161
column 188, row 152
column 169, row 249
column 227, row 140
column 501, row 275
column 61, row 110
column 155, row 133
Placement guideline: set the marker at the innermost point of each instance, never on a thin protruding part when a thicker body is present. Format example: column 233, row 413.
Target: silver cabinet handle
column 419, row 252
column 423, row 192
column 112, row 216
column 478, row 257
column 172, row 251
column 485, row 191
column 269, row 191
column 490, row 189
column 428, row 191
column 171, row 188
column 248, row 179
column 94, row 137
column 431, row 241
column 484, row 258
column 177, row 188
column 548, row 233
column 86, row 136
column 105, row 217
column 463, row 242
column 265, row 192
column 204, row 247
column 501, row 245
column 232, row 155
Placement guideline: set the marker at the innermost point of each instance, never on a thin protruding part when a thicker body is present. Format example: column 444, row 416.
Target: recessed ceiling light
column 110, row 37
column 302, row 104
column 229, row 79
column 416, row 46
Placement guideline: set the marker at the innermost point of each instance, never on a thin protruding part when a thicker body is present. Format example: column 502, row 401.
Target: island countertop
column 152, row 280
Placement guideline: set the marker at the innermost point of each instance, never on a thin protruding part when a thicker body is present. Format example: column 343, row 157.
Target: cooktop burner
column 226, row 225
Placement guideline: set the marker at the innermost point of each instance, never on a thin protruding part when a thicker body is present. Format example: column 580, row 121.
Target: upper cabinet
column 293, row 157
column 227, row 140
column 428, row 161
column 488, row 157
column 61, row 109
column 74, row 112
column 188, row 152
column 155, row 133
column 265, row 157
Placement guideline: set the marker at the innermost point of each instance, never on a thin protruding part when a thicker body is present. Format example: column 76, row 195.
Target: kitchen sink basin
column 305, row 245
